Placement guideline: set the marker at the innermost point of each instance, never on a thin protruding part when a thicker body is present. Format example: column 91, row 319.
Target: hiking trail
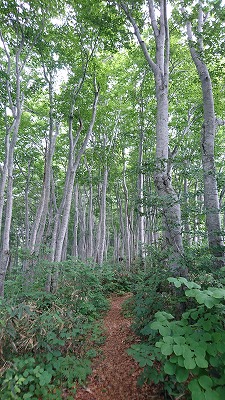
column 115, row 373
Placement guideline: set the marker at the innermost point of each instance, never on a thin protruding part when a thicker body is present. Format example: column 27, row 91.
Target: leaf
column 201, row 362
column 178, row 349
column 205, row 381
column 196, row 392
column 168, row 339
column 164, row 331
column 189, row 363
column 155, row 325
column 220, row 347
column 146, row 330
column 182, row 374
column 179, row 339
column 212, row 395
column 207, row 325
column 169, row 368
column 167, row 349
column 212, row 349
column 28, row 395
column 175, row 281
column 190, row 293
column 45, row 378
column 218, row 293
column 193, row 285
column 199, row 350
column 204, row 298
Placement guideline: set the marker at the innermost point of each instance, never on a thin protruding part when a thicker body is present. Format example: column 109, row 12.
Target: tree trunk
column 141, row 217
column 102, row 222
column 211, row 198
column 82, row 228
column 8, row 166
column 62, row 218
column 127, row 238
column 160, row 67
column 75, row 223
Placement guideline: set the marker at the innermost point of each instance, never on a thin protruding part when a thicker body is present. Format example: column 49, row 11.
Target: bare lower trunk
column 140, row 185
column 102, row 222
column 82, row 228
column 187, row 228
column 126, row 224
column 170, row 204
column 90, row 236
column 75, row 224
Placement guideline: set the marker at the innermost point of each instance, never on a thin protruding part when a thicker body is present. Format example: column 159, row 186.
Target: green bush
column 115, row 280
column 47, row 339
column 45, row 375
column 151, row 293
column 188, row 354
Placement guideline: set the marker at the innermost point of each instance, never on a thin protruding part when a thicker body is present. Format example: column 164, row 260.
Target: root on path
column 115, row 373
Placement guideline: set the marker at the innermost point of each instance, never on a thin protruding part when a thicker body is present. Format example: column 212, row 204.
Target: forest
column 112, row 183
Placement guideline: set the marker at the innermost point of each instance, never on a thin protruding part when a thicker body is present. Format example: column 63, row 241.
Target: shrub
column 151, row 293
column 188, row 354
column 47, row 339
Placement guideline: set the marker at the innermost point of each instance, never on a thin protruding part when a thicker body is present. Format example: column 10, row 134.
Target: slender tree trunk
column 211, row 198
column 102, row 223
column 82, row 226
column 141, row 217
column 62, row 219
column 187, row 228
column 76, row 223
column 126, row 218
column 90, row 236
column 8, row 164
column 160, row 67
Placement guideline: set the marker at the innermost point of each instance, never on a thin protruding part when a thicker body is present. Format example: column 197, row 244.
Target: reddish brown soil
column 114, row 372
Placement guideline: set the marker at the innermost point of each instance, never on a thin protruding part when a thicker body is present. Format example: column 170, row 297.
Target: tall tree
column 18, row 37
column 160, row 68
column 211, row 198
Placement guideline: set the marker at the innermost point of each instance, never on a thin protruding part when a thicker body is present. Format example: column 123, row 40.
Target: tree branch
column 137, row 32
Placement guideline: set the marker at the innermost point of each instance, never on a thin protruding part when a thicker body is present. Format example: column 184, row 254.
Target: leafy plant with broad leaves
column 151, row 293
column 187, row 355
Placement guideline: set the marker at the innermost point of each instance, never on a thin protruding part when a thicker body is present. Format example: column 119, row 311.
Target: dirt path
column 115, row 374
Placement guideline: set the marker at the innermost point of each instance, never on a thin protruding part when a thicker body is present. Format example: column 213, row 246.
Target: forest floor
column 115, row 374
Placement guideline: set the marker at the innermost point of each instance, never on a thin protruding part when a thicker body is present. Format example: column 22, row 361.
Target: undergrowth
column 183, row 351
column 47, row 340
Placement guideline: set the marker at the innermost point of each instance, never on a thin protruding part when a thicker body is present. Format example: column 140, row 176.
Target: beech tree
column 160, row 69
column 18, row 38
column 211, row 197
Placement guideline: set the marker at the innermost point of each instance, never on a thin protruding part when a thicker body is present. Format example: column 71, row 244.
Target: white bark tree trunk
column 90, row 228
column 82, row 228
column 160, row 67
column 141, row 216
column 211, row 198
column 39, row 223
column 62, row 218
column 101, row 242
column 76, row 223
column 7, row 173
column 127, row 235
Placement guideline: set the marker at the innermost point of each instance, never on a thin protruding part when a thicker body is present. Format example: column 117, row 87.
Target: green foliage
column 151, row 293
column 187, row 354
column 115, row 280
column 30, row 378
column 47, row 339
